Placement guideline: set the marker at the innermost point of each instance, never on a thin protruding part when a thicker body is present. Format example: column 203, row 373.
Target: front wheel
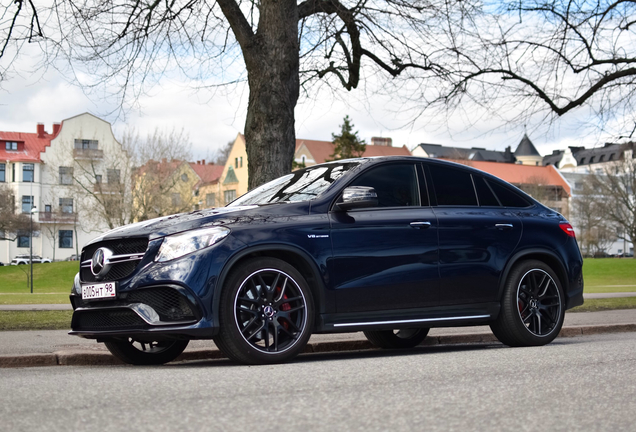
column 397, row 339
column 136, row 352
column 266, row 312
column 532, row 307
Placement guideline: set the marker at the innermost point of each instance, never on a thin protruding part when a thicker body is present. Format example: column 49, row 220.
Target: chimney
column 164, row 161
column 202, row 161
column 41, row 131
column 56, row 128
column 386, row 142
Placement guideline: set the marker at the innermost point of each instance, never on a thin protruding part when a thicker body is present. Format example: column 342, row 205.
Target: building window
column 210, row 200
column 184, row 177
column 47, row 208
column 66, row 175
column 582, row 161
column 84, row 144
column 611, row 157
column 229, row 196
column 176, row 199
column 241, row 162
column 602, row 158
column 66, row 205
column 24, row 239
column 27, row 172
column 66, row 239
column 11, row 145
column 2, row 173
column 235, row 162
column 112, row 175
column 27, row 203
column 98, row 178
column 592, row 160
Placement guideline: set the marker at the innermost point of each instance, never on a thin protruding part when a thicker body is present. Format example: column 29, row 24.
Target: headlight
column 178, row 245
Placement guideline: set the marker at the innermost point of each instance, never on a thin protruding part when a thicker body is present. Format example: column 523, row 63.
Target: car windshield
column 301, row 185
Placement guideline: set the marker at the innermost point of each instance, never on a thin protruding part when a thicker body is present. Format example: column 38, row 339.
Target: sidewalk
column 56, row 347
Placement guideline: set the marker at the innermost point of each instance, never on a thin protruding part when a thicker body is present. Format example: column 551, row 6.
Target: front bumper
column 154, row 313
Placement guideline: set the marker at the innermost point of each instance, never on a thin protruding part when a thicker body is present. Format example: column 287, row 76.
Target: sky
column 214, row 119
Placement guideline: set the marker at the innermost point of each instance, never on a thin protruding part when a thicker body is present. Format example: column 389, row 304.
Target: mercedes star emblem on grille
column 100, row 262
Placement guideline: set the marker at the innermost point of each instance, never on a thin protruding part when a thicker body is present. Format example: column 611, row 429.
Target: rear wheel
column 266, row 312
column 397, row 339
column 136, row 352
column 532, row 307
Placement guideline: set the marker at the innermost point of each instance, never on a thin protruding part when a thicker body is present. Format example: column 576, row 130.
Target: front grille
column 120, row 319
column 119, row 247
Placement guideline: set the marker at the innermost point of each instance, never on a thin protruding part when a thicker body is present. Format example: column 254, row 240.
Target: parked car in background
column 24, row 259
column 391, row 246
column 73, row 257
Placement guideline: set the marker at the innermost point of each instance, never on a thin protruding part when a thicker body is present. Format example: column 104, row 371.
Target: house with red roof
column 69, row 179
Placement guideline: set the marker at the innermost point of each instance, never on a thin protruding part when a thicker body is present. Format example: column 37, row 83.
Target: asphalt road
column 582, row 383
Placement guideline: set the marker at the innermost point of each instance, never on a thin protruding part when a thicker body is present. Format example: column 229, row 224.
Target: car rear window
column 507, row 196
column 485, row 195
column 453, row 186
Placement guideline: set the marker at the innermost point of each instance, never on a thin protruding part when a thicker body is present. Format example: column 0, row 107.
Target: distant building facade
column 59, row 173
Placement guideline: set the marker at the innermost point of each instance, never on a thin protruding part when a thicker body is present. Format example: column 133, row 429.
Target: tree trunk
column 272, row 60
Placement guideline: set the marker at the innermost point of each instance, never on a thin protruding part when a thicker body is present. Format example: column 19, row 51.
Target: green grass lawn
column 35, row 320
column 609, row 275
column 51, row 283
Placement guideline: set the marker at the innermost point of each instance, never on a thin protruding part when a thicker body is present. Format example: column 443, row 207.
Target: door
column 476, row 236
column 386, row 257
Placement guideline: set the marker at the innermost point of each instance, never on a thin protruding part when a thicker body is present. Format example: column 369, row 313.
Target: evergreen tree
column 347, row 144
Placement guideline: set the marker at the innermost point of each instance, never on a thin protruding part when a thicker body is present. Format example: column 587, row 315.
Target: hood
column 168, row 225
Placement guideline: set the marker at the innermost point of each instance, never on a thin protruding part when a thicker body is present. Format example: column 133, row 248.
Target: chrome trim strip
column 411, row 321
column 116, row 259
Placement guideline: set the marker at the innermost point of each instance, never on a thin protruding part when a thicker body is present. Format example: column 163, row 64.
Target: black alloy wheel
column 397, row 339
column 532, row 308
column 266, row 313
column 136, row 352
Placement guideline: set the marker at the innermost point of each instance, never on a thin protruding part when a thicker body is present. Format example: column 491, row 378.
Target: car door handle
column 421, row 225
column 503, row 226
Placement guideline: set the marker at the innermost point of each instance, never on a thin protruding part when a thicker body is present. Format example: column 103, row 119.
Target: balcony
column 88, row 154
column 57, row 217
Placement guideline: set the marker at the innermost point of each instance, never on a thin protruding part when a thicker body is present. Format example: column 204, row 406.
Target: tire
column 266, row 312
column 146, row 353
column 532, row 306
column 397, row 339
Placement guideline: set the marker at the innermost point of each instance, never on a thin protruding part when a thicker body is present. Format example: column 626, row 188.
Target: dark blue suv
column 390, row 246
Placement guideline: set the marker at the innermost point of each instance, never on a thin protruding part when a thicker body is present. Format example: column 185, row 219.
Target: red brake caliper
column 284, row 307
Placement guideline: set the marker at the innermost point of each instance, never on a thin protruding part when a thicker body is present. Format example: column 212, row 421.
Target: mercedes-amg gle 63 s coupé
column 390, row 246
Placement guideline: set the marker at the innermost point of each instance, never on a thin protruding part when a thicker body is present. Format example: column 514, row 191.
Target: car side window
column 395, row 184
column 484, row 193
column 508, row 197
column 453, row 186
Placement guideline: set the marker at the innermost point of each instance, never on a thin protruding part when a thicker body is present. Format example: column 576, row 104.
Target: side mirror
column 355, row 197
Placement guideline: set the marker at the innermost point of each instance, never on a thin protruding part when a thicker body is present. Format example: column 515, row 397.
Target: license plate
column 99, row 291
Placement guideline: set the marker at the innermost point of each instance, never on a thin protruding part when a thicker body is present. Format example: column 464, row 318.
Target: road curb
column 92, row 358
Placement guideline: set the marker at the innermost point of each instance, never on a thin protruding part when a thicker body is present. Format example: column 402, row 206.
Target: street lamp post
column 33, row 210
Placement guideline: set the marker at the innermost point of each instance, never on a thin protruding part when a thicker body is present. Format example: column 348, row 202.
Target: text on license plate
column 101, row 290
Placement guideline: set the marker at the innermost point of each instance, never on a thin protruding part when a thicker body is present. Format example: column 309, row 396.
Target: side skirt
column 445, row 316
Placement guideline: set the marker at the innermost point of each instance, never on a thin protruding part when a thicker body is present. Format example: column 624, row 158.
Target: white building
column 61, row 173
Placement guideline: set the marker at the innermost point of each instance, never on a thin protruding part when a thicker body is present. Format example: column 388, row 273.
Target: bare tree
column 589, row 213
column 615, row 193
column 11, row 223
column 544, row 57
column 127, row 45
column 161, row 144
